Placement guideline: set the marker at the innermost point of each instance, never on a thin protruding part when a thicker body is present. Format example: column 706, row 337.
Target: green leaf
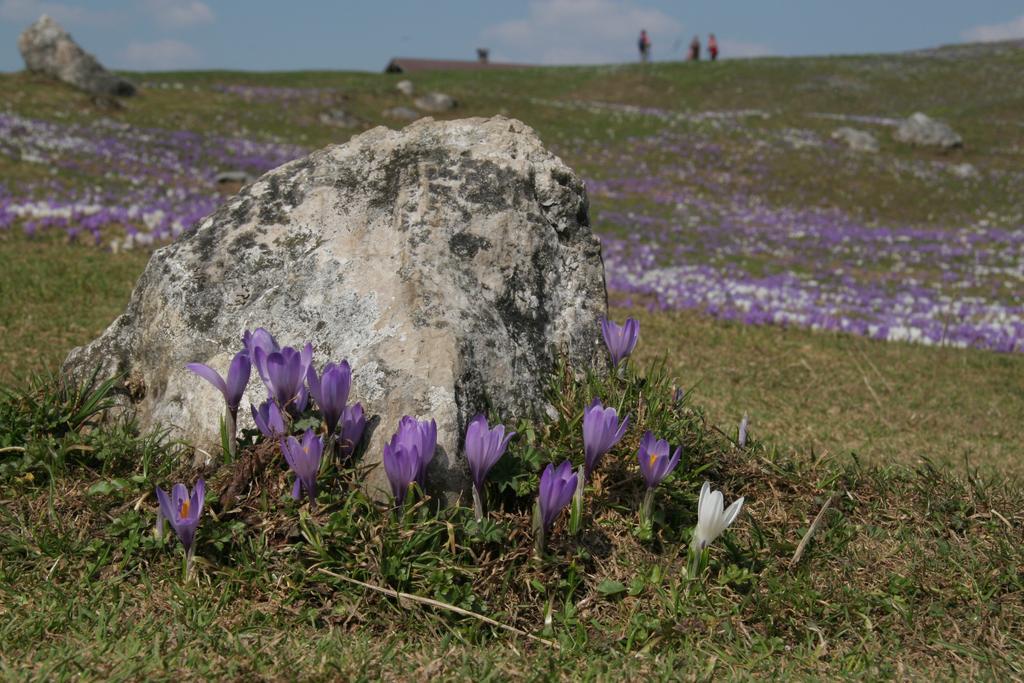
column 609, row 587
column 305, row 423
column 106, row 487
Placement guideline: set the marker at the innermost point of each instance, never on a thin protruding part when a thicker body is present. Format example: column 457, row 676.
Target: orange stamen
column 654, row 458
column 184, row 508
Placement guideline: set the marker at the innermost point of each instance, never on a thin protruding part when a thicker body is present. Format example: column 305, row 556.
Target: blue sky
column 361, row 35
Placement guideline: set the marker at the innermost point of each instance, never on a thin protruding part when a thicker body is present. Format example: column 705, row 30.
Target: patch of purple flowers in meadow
column 267, row 94
column 690, row 230
column 152, row 183
column 307, row 439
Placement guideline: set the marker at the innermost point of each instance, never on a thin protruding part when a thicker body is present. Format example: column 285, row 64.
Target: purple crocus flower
column 402, row 465
column 304, row 460
column 422, row 436
column 655, row 463
column 330, row 390
column 234, row 387
column 353, row 422
column 557, row 487
column 484, row 447
column 269, row 420
column 183, row 511
column 259, row 339
column 284, row 373
column 620, row 340
column 601, row 431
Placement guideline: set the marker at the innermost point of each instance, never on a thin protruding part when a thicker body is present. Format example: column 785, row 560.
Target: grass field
column 915, row 570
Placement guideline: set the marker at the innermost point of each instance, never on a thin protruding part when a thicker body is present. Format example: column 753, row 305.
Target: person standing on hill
column 645, row 46
column 712, row 47
column 695, row 49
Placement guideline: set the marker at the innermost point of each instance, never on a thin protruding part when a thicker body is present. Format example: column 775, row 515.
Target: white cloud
column 159, row 54
column 988, row 33
column 179, row 13
column 581, row 32
column 738, row 48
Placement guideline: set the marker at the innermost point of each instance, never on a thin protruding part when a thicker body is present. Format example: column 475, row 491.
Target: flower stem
column 478, row 505
column 230, row 425
column 188, row 562
column 647, row 511
column 576, row 512
column 539, row 533
column 696, row 563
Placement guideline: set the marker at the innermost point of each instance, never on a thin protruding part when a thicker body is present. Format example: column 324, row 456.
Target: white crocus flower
column 711, row 519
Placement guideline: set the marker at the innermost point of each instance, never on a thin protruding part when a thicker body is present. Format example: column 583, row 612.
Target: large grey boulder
column 48, row 49
column 857, row 140
column 920, row 129
column 449, row 262
column 435, row 102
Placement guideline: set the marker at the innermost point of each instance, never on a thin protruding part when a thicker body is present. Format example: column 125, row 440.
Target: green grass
column 56, row 296
column 914, row 573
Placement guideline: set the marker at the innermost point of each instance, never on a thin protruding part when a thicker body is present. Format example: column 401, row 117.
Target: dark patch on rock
column 465, row 245
column 272, row 202
column 243, row 242
column 204, row 241
column 489, row 185
column 204, row 304
column 238, row 211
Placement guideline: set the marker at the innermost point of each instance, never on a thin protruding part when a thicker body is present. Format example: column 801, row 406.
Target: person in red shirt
column 645, row 46
column 712, row 47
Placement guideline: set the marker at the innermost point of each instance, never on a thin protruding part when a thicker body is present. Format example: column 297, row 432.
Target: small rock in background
column 230, row 182
column 402, row 113
column 964, row 171
column 435, row 102
column 857, row 140
column 233, row 177
column 405, row 87
column 48, row 49
column 921, row 129
column 340, row 118
column 798, row 138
